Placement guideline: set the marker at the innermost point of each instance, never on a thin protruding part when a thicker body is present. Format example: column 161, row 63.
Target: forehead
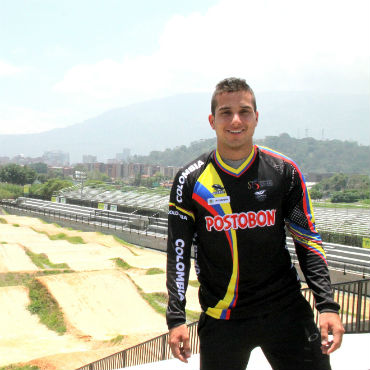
column 234, row 99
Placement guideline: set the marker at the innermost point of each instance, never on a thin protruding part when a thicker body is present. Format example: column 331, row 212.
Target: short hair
column 231, row 84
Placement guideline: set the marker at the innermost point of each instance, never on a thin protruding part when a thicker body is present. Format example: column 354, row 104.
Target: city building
column 88, row 158
column 56, row 158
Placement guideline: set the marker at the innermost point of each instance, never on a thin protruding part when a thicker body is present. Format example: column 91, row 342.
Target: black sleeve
column 311, row 255
column 180, row 235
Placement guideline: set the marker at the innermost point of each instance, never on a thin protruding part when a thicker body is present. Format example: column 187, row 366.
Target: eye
column 246, row 112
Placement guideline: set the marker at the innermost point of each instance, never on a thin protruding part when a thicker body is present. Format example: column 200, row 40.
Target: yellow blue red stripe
column 202, row 192
column 236, row 172
column 183, row 210
column 307, row 240
column 298, row 230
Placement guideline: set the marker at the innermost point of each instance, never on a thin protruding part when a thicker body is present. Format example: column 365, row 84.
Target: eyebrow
column 226, row 107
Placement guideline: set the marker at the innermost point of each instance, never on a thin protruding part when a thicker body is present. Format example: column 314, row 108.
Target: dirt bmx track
column 99, row 300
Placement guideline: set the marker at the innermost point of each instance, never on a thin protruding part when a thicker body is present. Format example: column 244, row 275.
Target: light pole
column 81, row 177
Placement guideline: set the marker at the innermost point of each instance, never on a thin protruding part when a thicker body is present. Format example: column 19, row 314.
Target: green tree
column 98, row 176
column 315, row 193
column 344, row 197
column 10, row 191
column 55, row 173
column 39, row 167
column 16, row 174
column 47, row 189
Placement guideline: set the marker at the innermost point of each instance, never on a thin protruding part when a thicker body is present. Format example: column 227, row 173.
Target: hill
column 313, row 156
column 182, row 119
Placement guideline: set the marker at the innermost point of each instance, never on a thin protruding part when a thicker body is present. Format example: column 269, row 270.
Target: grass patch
column 20, row 367
column 126, row 244
column 43, row 221
column 46, row 307
column 3, row 221
column 70, row 239
column 4, row 242
column 117, row 340
column 3, row 211
column 194, row 283
column 154, row 271
column 62, row 236
column 16, row 225
column 15, row 279
column 42, row 261
column 363, row 204
column 121, row 263
column 23, row 278
column 157, row 300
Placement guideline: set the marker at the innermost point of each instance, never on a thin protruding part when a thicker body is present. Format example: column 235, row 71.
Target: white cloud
column 7, row 69
column 290, row 44
column 109, row 78
column 21, row 120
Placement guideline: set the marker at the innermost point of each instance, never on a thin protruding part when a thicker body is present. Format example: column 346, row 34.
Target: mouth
column 235, row 132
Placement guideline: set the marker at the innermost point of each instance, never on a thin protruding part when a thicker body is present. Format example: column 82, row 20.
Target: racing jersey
column 236, row 219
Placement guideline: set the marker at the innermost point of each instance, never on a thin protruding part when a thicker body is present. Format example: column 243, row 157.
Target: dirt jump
column 102, row 303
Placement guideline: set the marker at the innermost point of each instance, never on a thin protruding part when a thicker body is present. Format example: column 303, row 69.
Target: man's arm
column 180, row 236
column 312, row 259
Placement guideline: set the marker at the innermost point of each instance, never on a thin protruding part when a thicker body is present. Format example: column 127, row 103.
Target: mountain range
column 179, row 120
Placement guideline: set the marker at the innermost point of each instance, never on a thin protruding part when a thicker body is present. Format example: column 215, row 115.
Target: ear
column 211, row 120
column 257, row 115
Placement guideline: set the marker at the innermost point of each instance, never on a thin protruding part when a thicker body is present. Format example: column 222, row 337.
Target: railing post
column 123, row 358
column 359, row 306
column 164, row 346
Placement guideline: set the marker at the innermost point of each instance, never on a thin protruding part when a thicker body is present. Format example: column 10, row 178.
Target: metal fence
column 354, row 298
column 132, row 223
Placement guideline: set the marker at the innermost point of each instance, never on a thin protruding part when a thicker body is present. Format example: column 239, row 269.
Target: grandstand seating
column 341, row 220
column 129, row 198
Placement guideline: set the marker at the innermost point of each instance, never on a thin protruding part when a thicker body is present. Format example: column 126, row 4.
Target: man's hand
column 179, row 342
column 330, row 322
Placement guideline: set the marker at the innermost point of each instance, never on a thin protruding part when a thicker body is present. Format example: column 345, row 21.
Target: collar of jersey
column 237, row 172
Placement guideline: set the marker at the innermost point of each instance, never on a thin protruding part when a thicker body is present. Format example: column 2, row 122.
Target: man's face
column 234, row 122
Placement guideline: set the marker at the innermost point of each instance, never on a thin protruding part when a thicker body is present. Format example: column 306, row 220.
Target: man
column 233, row 205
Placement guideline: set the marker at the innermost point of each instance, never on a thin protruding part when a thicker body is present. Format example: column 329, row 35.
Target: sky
column 62, row 62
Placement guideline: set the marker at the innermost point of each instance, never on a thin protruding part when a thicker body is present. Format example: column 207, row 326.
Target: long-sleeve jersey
column 236, row 220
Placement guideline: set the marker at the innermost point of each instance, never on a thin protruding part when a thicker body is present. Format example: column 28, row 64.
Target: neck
column 234, row 154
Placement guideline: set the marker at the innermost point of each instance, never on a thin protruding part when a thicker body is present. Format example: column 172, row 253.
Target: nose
column 236, row 119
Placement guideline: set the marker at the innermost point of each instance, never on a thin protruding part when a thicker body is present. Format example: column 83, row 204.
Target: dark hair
column 231, row 84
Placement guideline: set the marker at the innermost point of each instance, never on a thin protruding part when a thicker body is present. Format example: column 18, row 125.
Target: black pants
column 290, row 340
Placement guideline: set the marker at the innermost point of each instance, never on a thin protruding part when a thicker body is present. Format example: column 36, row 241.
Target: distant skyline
column 62, row 63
